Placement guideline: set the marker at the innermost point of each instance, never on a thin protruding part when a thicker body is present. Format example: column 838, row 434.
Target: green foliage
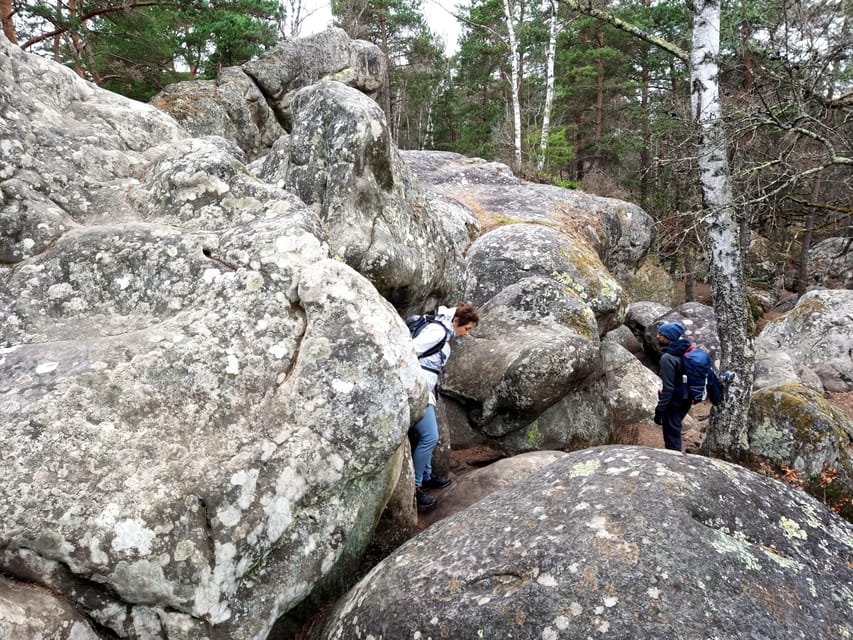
column 415, row 60
column 137, row 50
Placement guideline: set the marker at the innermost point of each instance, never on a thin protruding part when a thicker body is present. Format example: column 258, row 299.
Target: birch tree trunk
column 514, row 81
column 727, row 433
column 549, row 88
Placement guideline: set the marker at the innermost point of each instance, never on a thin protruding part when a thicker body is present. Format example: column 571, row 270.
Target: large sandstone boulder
column 818, row 334
column 515, row 252
column 641, row 315
column 831, row 264
column 791, row 426
column 340, row 161
column 68, row 152
column 203, row 411
column 479, row 483
column 232, row 106
column 623, row 542
column 534, row 344
column 250, row 104
column 32, row 613
column 700, row 328
column 773, row 367
column 619, row 232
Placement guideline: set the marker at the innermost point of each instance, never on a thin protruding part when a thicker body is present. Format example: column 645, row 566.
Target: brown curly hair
column 466, row 314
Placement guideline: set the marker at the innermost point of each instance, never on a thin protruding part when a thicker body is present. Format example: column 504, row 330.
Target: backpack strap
column 438, row 346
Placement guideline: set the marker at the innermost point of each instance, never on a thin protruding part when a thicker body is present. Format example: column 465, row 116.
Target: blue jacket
column 670, row 395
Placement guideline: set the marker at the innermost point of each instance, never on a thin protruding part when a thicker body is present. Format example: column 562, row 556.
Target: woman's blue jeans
column 427, row 434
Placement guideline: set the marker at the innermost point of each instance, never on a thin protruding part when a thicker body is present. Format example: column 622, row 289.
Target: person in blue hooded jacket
column 673, row 403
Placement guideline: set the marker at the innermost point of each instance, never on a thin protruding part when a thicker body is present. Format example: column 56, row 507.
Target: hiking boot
column 424, row 501
column 437, row 482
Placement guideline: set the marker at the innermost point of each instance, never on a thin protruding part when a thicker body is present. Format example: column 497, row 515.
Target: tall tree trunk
column 645, row 129
column 549, row 88
column 748, row 60
column 599, row 90
column 806, row 243
column 6, row 19
column 386, row 102
column 515, row 63
column 579, row 151
column 57, row 39
column 689, row 266
column 646, row 133
column 727, row 432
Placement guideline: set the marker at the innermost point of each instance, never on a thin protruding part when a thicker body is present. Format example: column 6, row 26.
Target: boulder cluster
column 206, row 385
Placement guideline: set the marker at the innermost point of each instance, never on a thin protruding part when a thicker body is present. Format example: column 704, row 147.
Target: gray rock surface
column 630, row 388
column 641, row 315
column 202, row 410
column 232, row 106
column 534, row 344
column 479, row 483
column 515, row 252
column 621, row 542
column 700, row 328
column 773, row 367
column 818, row 334
column 625, row 338
column 250, row 104
column 340, row 161
column 831, row 264
column 620, row 232
column 795, row 427
column 32, row 613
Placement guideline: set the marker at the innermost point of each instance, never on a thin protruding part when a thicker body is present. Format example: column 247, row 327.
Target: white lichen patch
column 278, row 350
column 616, row 471
column 599, row 525
column 279, row 517
column 726, row 544
column 132, row 534
column 786, row 563
column 725, row 467
column 215, row 585
column 184, row 550
column 247, row 481
column 549, row 634
column 547, row 580
column 123, row 282
column 584, row 469
column 46, row 367
column 610, row 601
column 562, row 622
column 792, row 529
column 96, row 553
column 342, row 386
column 653, row 593
column 254, row 281
column 229, row 515
column 575, row 609
column 233, row 365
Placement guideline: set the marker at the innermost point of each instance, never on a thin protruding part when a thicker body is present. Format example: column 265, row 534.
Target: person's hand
column 658, row 417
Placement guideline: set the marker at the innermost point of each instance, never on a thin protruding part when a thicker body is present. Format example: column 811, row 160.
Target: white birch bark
column 549, row 88
column 514, row 81
column 727, row 433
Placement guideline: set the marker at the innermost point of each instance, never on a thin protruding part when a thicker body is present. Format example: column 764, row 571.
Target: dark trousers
column 672, row 419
